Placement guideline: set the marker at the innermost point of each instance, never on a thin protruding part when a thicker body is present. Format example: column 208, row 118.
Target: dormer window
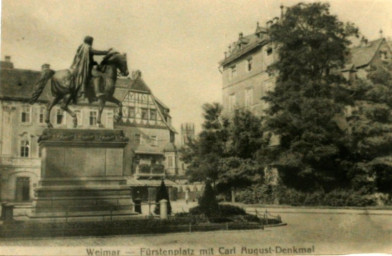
column 383, row 55
column 269, row 51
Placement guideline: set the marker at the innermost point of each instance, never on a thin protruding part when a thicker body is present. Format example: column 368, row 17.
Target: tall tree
column 224, row 151
column 303, row 107
column 370, row 125
column 203, row 155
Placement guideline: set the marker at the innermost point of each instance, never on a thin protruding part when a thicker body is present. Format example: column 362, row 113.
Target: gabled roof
column 245, row 45
column 18, row 84
column 137, row 84
column 363, row 55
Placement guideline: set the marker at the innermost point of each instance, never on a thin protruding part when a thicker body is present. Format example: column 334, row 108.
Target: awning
column 149, row 183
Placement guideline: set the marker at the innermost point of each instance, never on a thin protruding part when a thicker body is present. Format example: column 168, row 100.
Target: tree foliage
column 307, row 97
column 208, row 203
column 224, row 151
column 370, row 123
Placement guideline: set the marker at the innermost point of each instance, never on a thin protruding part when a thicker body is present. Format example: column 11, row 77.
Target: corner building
column 246, row 72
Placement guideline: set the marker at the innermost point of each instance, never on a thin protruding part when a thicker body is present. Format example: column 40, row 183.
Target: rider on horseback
column 82, row 66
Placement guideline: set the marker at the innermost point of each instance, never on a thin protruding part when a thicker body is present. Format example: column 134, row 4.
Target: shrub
column 208, row 203
column 315, row 198
column 162, row 194
column 246, row 196
column 292, row 197
column 230, row 210
column 195, row 210
column 336, row 198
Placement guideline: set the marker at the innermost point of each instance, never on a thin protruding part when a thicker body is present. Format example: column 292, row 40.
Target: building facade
column 20, row 126
column 151, row 154
column 246, row 72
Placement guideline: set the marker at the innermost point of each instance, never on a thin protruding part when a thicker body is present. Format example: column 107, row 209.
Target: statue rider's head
column 89, row 40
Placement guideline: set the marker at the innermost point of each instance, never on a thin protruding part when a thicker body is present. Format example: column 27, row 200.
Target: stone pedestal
column 163, row 209
column 82, row 176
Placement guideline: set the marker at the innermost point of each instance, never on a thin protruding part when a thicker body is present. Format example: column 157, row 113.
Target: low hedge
column 103, row 228
column 297, row 198
column 225, row 210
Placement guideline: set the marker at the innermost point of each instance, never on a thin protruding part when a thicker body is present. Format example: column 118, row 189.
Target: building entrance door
column 22, row 189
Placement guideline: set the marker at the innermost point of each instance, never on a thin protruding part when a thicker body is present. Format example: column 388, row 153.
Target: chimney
column 6, row 64
column 241, row 35
column 45, row 67
column 281, row 12
column 363, row 42
column 225, row 54
column 381, row 33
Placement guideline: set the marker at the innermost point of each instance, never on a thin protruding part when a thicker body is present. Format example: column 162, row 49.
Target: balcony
column 150, row 171
column 20, row 161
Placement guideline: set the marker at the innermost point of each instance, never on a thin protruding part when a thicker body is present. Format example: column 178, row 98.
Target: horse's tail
column 40, row 85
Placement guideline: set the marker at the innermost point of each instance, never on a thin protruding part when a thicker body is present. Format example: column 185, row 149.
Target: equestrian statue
column 84, row 80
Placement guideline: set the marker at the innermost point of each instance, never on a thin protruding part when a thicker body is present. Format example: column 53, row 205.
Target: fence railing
column 266, row 216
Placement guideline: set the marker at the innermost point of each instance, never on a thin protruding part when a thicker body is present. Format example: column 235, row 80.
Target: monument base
column 82, row 177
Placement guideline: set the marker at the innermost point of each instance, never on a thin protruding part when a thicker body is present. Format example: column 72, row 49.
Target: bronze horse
column 102, row 86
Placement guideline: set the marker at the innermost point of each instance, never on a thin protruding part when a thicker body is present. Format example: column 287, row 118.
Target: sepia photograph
column 195, row 128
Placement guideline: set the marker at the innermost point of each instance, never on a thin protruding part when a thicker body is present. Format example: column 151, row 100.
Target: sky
column 176, row 44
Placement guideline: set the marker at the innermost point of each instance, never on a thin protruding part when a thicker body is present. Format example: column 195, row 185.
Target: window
column 137, row 138
column 93, row 118
column 232, row 102
column 79, row 117
column 125, row 111
column 233, row 71
column 22, row 191
column 153, row 114
column 144, row 113
column 269, row 50
column 41, row 115
column 250, row 64
column 59, row 116
column 131, row 111
column 25, row 115
column 154, row 141
column 170, row 161
column 24, row 148
column 248, row 97
column 144, row 98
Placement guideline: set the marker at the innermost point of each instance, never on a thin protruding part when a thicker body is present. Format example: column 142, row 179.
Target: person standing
column 82, row 65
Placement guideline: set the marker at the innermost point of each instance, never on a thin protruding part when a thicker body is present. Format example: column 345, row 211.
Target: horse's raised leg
column 101, row 100
column 64, row 106
column 54, row 101
column 119, row 104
